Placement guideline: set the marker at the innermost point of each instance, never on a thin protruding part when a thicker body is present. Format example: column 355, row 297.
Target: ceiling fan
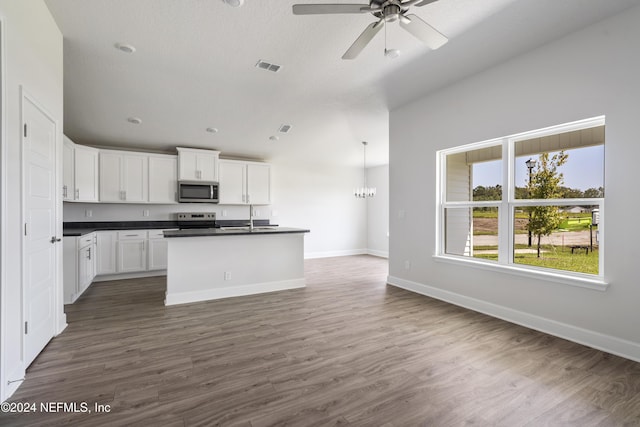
column 385, row 11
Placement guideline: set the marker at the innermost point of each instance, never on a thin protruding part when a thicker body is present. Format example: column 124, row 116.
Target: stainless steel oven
column 197, row 192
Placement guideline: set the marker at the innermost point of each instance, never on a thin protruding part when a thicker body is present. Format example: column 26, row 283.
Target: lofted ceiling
column 194, row 68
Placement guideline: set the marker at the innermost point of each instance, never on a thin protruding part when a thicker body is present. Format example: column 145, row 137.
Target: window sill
column 577, row 279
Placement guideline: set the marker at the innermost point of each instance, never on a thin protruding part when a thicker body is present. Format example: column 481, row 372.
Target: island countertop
column 232, row 231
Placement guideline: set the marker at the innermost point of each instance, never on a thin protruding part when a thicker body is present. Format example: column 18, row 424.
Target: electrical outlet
column 224, row 212
column 227, row 275
column 407, row 265
column 401, row 214
column 274, row 213
column 256, row 212
column 145, row 212
column 88, row 213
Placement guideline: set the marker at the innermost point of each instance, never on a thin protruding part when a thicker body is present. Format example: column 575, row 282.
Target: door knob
column 55, row 239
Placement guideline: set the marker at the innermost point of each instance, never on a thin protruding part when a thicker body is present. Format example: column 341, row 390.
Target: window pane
column 472, row 232
column 475, row 175
column 562, row 237
column 563, row 166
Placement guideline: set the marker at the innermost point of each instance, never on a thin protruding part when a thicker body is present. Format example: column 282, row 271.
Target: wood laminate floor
column 347, row 350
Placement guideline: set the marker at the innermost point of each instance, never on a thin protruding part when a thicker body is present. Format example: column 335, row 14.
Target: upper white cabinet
column 243, row 183
column 197, row 165
column 123, row 176
column 163, row 178
column 80, row 172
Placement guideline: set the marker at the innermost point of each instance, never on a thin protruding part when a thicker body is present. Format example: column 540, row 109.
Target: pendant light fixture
column 364, row 191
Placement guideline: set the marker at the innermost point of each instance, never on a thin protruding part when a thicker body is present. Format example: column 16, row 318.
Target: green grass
column 555, row 257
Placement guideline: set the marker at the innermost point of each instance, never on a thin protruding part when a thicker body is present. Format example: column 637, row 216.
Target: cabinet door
column 188, row 166
column 110, row 177
column 135, row 178
column 163, row 176
column 206, row 166
column 86, row 174
column 85, row 270
column 258, row 184
column 68, row 169
column 157, row 254
column 106, row 252
column 232, row 182
column 131, row 255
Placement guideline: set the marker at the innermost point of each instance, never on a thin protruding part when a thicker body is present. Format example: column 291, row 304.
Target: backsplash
column 92, row 212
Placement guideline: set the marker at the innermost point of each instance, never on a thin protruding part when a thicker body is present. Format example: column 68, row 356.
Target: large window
column 532, row 201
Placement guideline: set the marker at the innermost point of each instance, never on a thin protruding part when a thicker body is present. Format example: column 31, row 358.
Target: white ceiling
column 194, row 68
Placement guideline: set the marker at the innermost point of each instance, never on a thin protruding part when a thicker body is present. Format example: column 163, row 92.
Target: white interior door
column 39, row 280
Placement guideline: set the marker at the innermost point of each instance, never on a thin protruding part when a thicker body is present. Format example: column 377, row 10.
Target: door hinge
column 25, row 130
column 26, row 328
column 25, row 228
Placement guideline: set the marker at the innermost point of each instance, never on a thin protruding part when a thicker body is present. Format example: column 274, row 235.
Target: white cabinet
column 80, row 172
column 243, row 183
column 79, row 265
column 68, row 170
column 197, row 165
column 163, row 178
column 106, row 252
column 132, row 254
column 123, row 177
column 157, row 250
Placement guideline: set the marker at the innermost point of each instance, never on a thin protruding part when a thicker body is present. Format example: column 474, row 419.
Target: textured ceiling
column 194, row 68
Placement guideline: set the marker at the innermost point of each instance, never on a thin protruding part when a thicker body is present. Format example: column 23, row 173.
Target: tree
column 546, row 183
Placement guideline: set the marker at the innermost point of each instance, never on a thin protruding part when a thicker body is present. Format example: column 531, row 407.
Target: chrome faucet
column 250, row 217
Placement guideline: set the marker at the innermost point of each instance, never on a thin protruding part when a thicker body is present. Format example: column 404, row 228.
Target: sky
column 584, row 169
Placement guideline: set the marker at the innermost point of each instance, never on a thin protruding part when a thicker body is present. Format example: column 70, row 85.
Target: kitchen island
column 214, row 263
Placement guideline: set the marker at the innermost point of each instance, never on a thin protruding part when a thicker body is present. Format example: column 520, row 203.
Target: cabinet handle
column 89, row 254
column 64, row 191
column 77, row 193
column 124, row 195
column 247, row 198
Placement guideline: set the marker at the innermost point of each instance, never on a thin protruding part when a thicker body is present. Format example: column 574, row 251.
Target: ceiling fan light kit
column 385, row 11
column 233, row 3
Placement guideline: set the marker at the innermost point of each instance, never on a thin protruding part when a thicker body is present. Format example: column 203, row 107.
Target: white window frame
column 506, row 211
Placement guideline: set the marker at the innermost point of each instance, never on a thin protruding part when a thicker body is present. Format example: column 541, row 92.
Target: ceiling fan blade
column 425, row 2
column 321, row 9
column 363, row 40
column 424, row 32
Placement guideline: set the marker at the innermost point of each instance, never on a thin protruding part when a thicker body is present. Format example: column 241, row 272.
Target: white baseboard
column 381, row 254
column 136, row 275
column 610, row 344
column 233, row 291
column 329, row 254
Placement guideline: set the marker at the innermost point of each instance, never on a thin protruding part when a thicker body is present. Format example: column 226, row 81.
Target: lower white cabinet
column 132, row 252
column 157, row 250
column 106, row 252
column 79, row 267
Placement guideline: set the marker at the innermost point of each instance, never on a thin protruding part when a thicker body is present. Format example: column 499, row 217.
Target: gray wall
column 378, row 211
column 589, row 73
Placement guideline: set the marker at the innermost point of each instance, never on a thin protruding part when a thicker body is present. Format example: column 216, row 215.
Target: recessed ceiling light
column 273, row 138
column 234, row 3
column 126, row 48
column 134, row 120
column 212, row 130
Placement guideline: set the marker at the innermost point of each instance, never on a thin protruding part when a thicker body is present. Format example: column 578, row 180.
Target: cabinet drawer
column 86, row 240
column 156, row 234
column 132, row 234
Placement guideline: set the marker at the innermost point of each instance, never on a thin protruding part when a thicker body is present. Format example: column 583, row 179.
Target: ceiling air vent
column 284, row 128
column 267, row 66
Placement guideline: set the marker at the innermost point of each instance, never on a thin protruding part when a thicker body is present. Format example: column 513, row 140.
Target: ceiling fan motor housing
column 390, row 10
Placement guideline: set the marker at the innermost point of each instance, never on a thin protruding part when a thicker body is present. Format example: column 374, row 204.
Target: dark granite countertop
column 233, row 231
column 71, row 229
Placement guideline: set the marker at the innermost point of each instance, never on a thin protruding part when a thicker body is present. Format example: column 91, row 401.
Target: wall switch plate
column 274, row 213
column 145, row 212
column 401, row 214
column 88, row 213
column 227, row 275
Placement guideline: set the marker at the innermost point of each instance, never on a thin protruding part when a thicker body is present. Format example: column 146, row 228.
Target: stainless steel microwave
column 197, row 192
